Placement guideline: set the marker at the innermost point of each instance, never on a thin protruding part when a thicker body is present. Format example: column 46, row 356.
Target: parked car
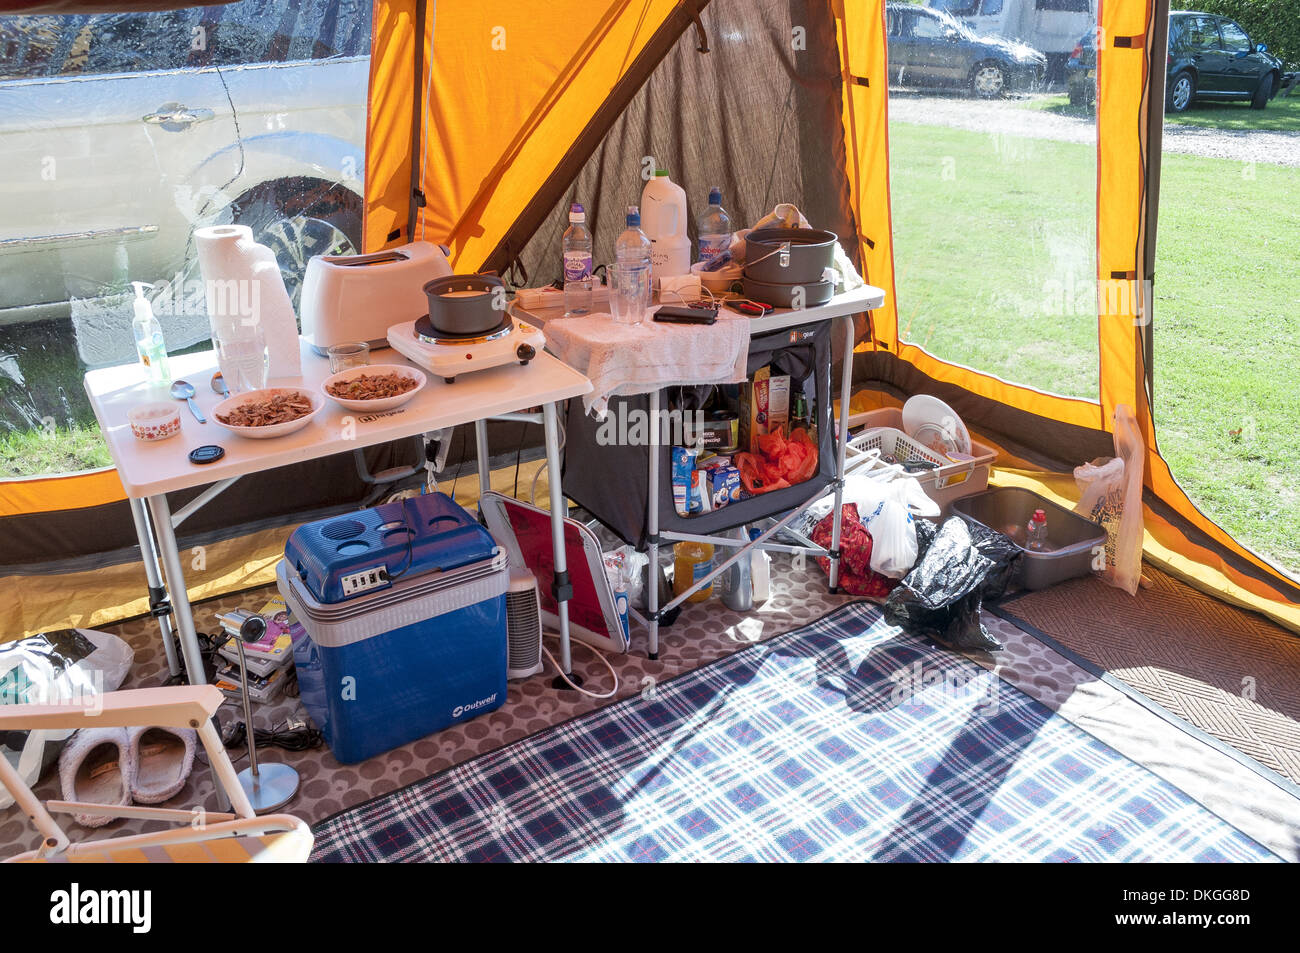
column 1048, row 26
column 1209, row 58
column 929, row 48
column 123, row 132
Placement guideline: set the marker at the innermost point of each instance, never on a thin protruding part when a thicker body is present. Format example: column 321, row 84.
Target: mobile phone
column 747, row 306
column 672, row 314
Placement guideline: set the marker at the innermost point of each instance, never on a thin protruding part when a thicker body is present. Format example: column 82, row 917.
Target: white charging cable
column 532, row 487
column 600, row 655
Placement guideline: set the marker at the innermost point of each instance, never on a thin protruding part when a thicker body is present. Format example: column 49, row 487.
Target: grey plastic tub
column 1072, row 541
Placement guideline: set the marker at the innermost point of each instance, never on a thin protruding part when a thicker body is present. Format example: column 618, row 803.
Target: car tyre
column 1181, row 92
column 988, row 80
column 1263, row 92
column 299, row 218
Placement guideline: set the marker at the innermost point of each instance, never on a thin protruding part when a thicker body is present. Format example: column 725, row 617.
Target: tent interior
column 480, row 125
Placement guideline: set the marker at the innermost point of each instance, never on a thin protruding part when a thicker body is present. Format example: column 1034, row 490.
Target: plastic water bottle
column 577, row 263
column 1036, row 532
column 631, row 278
column 760, row 571
column 737, row 583
column 714, row 228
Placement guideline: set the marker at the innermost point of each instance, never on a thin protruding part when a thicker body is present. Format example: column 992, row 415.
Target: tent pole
column 415, row 200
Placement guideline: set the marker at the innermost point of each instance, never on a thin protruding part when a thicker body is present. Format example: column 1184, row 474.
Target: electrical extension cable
column 600, row 655
column 292, row 736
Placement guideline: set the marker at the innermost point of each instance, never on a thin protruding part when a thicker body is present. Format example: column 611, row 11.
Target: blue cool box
column 408, row 655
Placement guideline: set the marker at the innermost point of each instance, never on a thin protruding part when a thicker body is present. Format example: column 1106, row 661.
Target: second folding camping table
column 785, row 504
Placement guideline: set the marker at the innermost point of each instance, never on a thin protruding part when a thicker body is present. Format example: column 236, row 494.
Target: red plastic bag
column 856, row 575
column 780, row 462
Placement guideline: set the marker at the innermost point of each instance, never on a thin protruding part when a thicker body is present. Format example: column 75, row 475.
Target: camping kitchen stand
column 149, row 471
column 842, row 307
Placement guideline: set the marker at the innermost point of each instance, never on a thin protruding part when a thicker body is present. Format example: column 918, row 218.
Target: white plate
column 930, row 421
column 271, row 430
column 382, row 403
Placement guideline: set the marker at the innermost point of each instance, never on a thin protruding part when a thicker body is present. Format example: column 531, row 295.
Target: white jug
column 247, row 303
column 663, row 219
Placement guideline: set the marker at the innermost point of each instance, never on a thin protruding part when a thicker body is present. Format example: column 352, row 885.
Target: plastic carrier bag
column 1111, row 494
column 890, row 518
column 68, row 666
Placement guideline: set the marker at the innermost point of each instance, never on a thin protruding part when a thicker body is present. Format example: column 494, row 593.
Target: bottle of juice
column 691, row 562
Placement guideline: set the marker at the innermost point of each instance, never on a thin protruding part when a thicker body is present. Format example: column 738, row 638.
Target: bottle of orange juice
column 692, row 562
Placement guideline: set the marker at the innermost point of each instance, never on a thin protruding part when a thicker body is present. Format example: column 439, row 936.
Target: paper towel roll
column 243, row 286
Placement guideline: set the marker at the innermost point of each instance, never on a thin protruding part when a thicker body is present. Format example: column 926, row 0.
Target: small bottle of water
column 714, row 228
column 1036, row 532
column 577, row 263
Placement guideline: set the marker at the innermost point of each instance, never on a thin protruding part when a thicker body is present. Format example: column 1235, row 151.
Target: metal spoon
column 183, row 390
column 219, row 384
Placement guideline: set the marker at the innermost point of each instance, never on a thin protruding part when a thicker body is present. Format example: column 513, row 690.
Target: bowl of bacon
column 375, row 387
column 270, row 412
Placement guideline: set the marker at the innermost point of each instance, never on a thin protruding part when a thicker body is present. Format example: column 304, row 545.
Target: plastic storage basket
column 952, row 480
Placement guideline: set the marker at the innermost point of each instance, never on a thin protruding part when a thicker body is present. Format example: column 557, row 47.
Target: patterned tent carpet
column 844, row 740
column 1231, row 673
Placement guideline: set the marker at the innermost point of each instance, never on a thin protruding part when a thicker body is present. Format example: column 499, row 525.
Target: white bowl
column 154, row 421
column 720, row 281
column 271, row 430
column 381, row 403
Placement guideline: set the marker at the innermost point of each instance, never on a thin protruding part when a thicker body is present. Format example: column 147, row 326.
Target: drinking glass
column 629, row 291
column 352, row 354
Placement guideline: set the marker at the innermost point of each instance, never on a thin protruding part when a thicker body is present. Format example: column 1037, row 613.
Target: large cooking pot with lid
column 466, row 305
column 788, row 256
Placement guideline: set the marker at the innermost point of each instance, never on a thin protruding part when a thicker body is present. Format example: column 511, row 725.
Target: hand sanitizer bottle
column 149, row 342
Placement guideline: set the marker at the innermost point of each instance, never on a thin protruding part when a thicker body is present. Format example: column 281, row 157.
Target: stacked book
column 270, row 658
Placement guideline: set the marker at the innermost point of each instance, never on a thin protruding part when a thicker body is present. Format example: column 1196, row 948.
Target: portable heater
column 523, row 625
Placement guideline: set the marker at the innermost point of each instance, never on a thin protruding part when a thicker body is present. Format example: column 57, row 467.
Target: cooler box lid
column 361, row 553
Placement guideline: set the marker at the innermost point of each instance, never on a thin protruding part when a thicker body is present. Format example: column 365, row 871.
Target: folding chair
column 208, row 837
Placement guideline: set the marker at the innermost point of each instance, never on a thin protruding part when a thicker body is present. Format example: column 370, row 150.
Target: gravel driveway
column 1012, row 117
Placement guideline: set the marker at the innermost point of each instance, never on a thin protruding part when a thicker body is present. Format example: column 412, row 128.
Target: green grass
column 994, row 251
column 1281, row 115
column 61, row 450
column 985, row 227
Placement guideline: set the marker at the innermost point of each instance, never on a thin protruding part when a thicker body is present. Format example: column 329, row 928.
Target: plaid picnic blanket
column 844, row 740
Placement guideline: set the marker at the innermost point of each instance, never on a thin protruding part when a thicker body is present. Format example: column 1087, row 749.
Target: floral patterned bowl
column 156, row 421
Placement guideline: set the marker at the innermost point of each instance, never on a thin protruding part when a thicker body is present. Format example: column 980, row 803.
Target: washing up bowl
column 1073, row 542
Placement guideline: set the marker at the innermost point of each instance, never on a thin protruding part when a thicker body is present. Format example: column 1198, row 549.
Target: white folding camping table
column 842, row 307
column 149, row 471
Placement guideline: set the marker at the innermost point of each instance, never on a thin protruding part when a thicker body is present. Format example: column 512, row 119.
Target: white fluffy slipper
column 95, row 768
column 161, row 760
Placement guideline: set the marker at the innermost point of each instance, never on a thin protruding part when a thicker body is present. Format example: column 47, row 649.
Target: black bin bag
column 956, row 568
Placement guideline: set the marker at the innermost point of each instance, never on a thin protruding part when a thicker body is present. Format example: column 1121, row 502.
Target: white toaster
column 349, row 298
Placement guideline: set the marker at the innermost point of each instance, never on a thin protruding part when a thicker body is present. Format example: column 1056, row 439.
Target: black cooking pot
column 810, row 251
column 463, row 305
column 805, row 295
